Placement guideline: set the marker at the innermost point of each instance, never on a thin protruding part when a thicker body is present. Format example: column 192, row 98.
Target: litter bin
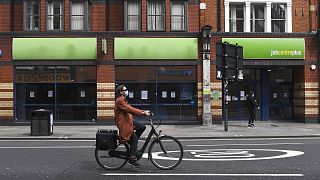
column 41, row 123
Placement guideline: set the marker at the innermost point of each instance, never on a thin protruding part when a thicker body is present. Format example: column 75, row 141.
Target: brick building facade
column 159, row 26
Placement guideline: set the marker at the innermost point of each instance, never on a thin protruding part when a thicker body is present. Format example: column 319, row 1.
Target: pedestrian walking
column 252, row 105
column 126, row 124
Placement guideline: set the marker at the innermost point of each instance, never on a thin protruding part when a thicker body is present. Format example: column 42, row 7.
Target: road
column 296, row 158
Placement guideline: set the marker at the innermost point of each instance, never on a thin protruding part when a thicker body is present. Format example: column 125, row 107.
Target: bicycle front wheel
column 113, row 159
column 166, row 152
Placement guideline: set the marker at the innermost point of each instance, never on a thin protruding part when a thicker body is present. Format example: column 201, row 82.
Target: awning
column 54, row 49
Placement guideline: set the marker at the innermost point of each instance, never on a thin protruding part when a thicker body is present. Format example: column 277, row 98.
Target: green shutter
column 156, row 48
column 54, row 49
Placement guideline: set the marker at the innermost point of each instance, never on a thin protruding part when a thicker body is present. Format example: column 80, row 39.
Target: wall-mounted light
column 313, row 67
column 203, row 6
column 104, row 46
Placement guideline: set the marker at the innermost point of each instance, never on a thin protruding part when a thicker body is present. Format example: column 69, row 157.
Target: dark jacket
column 252, row 103
column 124, row 117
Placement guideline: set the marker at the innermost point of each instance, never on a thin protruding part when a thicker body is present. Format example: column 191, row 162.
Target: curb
column 177, row 137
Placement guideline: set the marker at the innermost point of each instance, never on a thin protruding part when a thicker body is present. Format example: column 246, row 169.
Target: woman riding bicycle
column 126, row 124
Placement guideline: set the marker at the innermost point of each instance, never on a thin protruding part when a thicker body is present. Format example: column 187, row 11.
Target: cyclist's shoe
column 133, row 161
column 138, row 154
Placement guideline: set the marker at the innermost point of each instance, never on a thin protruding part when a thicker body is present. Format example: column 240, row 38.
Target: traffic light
column 229, row 61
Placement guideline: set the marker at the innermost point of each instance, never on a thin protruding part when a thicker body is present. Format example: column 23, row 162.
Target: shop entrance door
column 280, row 98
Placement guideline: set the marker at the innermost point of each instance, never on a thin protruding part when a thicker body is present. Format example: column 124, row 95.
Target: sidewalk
column 236, row 129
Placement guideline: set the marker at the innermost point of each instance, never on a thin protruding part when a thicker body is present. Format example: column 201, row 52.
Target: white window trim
column 247, row 21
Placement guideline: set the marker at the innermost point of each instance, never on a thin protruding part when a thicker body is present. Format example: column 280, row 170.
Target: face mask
column 126, row 93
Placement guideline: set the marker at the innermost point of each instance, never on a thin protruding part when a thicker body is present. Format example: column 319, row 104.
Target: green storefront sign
column 54, row 49
column 270, row 48
column 156, row 48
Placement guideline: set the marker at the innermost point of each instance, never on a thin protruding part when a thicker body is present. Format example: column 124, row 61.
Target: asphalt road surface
column 296, row 158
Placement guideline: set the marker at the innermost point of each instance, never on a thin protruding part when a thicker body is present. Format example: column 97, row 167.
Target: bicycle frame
column 152, row 132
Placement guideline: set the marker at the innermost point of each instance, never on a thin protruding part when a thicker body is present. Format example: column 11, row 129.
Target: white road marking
column 213, row 154
column 206, row 145
column 249, row 139
column 48, row 147
column 47, row 140
column 164, row 174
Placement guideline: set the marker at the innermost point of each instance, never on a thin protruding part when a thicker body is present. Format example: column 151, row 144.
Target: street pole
column 225, row 103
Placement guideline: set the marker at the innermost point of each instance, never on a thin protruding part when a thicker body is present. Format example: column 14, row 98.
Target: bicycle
column 165, row 152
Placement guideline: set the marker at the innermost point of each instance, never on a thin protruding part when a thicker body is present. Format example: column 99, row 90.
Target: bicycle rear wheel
column 113, row 159
column 166, row 152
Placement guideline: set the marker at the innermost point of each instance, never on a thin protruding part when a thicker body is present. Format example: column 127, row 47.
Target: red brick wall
column 300, row 16
column 98, row 16
column 43, row 14
column 193, row 17
column 168, row 16
column 5, row 46
column 5, row 17
column 144, row 15
column 116, row 16
column 66, row 13
column 18, row 16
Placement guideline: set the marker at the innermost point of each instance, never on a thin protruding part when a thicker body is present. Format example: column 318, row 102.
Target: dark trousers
column 252, row 117
column 137, row 131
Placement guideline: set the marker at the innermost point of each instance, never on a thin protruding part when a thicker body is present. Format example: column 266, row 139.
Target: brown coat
column 124, row 120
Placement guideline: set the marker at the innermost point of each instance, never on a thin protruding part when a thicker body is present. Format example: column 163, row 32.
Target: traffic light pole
column 225, row 103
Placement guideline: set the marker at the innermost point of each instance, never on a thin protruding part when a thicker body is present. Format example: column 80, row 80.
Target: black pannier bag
column 106, row 139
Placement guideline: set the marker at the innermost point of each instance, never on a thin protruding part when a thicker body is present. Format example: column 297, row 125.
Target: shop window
column 55, row 15
column 278, row 17
column 79, row 15
column 132, row 11
column 178, row 16
column 32, row 15
column 236, row 18
column 155, row 15
column 257, row 18
column 70, row 92
column 169, row 91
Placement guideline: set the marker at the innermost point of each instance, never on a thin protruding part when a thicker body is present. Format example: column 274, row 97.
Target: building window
column 278, row 17
column 79, row 15
column 257, row 18
column 32, row 15
column 178, row 16
column 55, row 15
column 156, row 16
column 132, row 10
column 236, row 18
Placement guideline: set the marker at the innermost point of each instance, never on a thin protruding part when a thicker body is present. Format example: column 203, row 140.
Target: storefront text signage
column 62, row 77
column 270, row 48
column 177, row 72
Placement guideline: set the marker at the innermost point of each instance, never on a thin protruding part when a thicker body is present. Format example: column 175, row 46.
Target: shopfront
column 161, row 75
column 270, row 72
column 55, row 79
column 169, row 91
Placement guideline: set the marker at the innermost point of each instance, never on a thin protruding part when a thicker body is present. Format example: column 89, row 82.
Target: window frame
column 185, row 3
column 126, row 15
column 252, row 27
column 279, row 20
column 63, row 15
column 86, row 15
column 164, row 16
column 236, row 19
column 25, row 15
